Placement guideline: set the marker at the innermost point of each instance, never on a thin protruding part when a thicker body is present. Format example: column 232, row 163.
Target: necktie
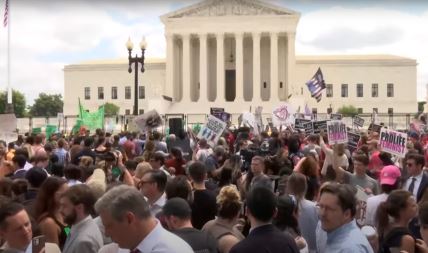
column 412, row 185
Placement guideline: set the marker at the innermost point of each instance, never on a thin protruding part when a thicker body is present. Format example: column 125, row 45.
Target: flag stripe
column 6, row 14
column 316, row 85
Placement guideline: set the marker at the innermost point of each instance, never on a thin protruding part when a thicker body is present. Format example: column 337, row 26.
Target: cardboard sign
column 212, row 130
column 375, row 128
column 318, row 126
column 393, row 142
column 336, row 132
column 353, row 140
column 299, row 123
column 334, row 116
column 283, row 115
column 358, row 121
column 309, row 128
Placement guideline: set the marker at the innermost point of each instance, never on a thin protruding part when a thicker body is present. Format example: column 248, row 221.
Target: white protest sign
column 8, row 136
column 393, row 142
column 336, row 131
column 362, row 205
column 283, row 115
column 212, row 130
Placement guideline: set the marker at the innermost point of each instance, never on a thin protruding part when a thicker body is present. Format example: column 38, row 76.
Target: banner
column 36, row 130
column 300, row 123
column 358, row 121
column 309, row 128
column 353, row 139
column 216, row 112
column 335, row 116
column 212, row 130
column 393, row 142
column 92, row 120
column 336, row 131
column 318, row 126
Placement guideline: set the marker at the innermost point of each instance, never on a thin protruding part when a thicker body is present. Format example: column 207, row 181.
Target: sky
column 46, row 35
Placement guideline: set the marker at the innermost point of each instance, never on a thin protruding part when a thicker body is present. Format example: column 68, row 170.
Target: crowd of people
column 279, row 192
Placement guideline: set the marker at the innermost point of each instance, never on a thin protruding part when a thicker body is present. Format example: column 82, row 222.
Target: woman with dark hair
column 309, row 167
column 177, row 162
column 286, row 220
column 401, row 206
column 46, row 211
column 294, row 154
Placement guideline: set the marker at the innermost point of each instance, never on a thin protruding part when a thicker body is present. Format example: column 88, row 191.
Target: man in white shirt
column 153, row 184
column 15, row 227
column 417, row 182
column 389, row 181
column 122, row 209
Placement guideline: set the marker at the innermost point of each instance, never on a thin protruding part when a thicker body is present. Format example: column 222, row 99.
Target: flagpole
column 9, row 107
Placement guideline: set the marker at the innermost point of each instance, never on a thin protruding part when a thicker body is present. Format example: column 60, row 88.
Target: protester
column 153, row 185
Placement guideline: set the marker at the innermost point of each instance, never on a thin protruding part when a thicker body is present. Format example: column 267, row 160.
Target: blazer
column 266, row 238
column 422, row 187
column 84, row 237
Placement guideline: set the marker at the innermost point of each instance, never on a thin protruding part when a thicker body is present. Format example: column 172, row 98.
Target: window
column 360, row 110
column 100, row 92
column 128, row 92
column 87, row 93
column 141, row 111
column 360, row 90
column 375, row 110
column 314, row 110
column 127, row 111
column 113, row 92
column 344, row 90
column 375, row 90
column 141, row 92
column 390, row 90
column 329, row 90
column 390, row 110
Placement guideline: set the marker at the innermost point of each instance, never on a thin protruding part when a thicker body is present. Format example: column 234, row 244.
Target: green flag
column 92, row 120
column 36, row 130
column 50, row 129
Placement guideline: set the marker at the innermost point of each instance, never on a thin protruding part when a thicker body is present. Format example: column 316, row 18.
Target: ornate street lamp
column 136, row 60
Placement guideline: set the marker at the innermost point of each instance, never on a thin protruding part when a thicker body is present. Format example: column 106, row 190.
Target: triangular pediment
column 219, row 8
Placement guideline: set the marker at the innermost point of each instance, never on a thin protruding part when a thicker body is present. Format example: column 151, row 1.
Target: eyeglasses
column 409, row 164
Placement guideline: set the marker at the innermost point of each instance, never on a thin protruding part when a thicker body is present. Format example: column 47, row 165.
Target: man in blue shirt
column 337, row 208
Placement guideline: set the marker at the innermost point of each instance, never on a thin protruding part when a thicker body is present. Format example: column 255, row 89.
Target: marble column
column 170, row 85
column 186, row 68
column 256, row 67
column 291, row 63
column 203, row 68
column 274, row 86
column 239, row 38
column 220, row 68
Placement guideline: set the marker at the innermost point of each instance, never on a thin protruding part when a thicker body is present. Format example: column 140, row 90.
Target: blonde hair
column 141, row 169
column 229, row 202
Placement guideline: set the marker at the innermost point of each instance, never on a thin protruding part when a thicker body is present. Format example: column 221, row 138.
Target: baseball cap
column 389, row 175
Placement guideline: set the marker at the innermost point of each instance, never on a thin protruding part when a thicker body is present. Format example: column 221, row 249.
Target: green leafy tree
column 111, row 109
column 348, row 111
column 421, row 106
column 47, row 105
column 18, row 101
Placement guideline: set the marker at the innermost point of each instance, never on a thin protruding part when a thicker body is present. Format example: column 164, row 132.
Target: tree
column 111, row 109
column 18, row 101
column 421, row 106
column 47, row 105
column 348, row 111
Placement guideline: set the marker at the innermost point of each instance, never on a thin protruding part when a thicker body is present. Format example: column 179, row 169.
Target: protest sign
column 318, row 126
column 212, row 130
column 283, row 115
column 335, row 116
column 353, row 140
column 148, row 121
column 50, row 130
column 8, row 123
column 358, row 121
column 299, row 123
column 336, row 132
column 393, row 142
column 8, row 136
column 362, row 197
column 309, row 128
column 374, row 128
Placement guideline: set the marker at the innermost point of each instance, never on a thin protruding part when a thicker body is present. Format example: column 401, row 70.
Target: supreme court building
column 239, row 54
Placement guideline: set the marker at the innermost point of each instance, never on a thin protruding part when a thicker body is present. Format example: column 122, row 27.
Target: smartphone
column 38, row 243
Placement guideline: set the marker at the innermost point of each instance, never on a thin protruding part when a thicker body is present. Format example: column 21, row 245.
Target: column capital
column 239, row 34
column 219, row 35
column 202, row 35
column 185, row 35
column 291, row 34
column 273, row 34
column 256, row 34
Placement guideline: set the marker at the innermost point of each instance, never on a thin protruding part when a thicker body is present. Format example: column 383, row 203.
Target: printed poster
column 212, row 130
column 353, row 140
column 336, row 131
column 300, row 123
column 319, row 126
column 358, row 121
column 393, row 142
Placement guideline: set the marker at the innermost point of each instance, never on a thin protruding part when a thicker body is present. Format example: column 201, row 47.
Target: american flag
column 316, row 85
column 6, row 13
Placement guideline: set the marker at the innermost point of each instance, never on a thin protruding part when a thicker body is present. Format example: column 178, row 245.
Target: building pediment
column 219, row 8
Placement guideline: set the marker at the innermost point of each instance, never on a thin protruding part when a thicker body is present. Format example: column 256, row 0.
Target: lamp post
column 135, row 60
